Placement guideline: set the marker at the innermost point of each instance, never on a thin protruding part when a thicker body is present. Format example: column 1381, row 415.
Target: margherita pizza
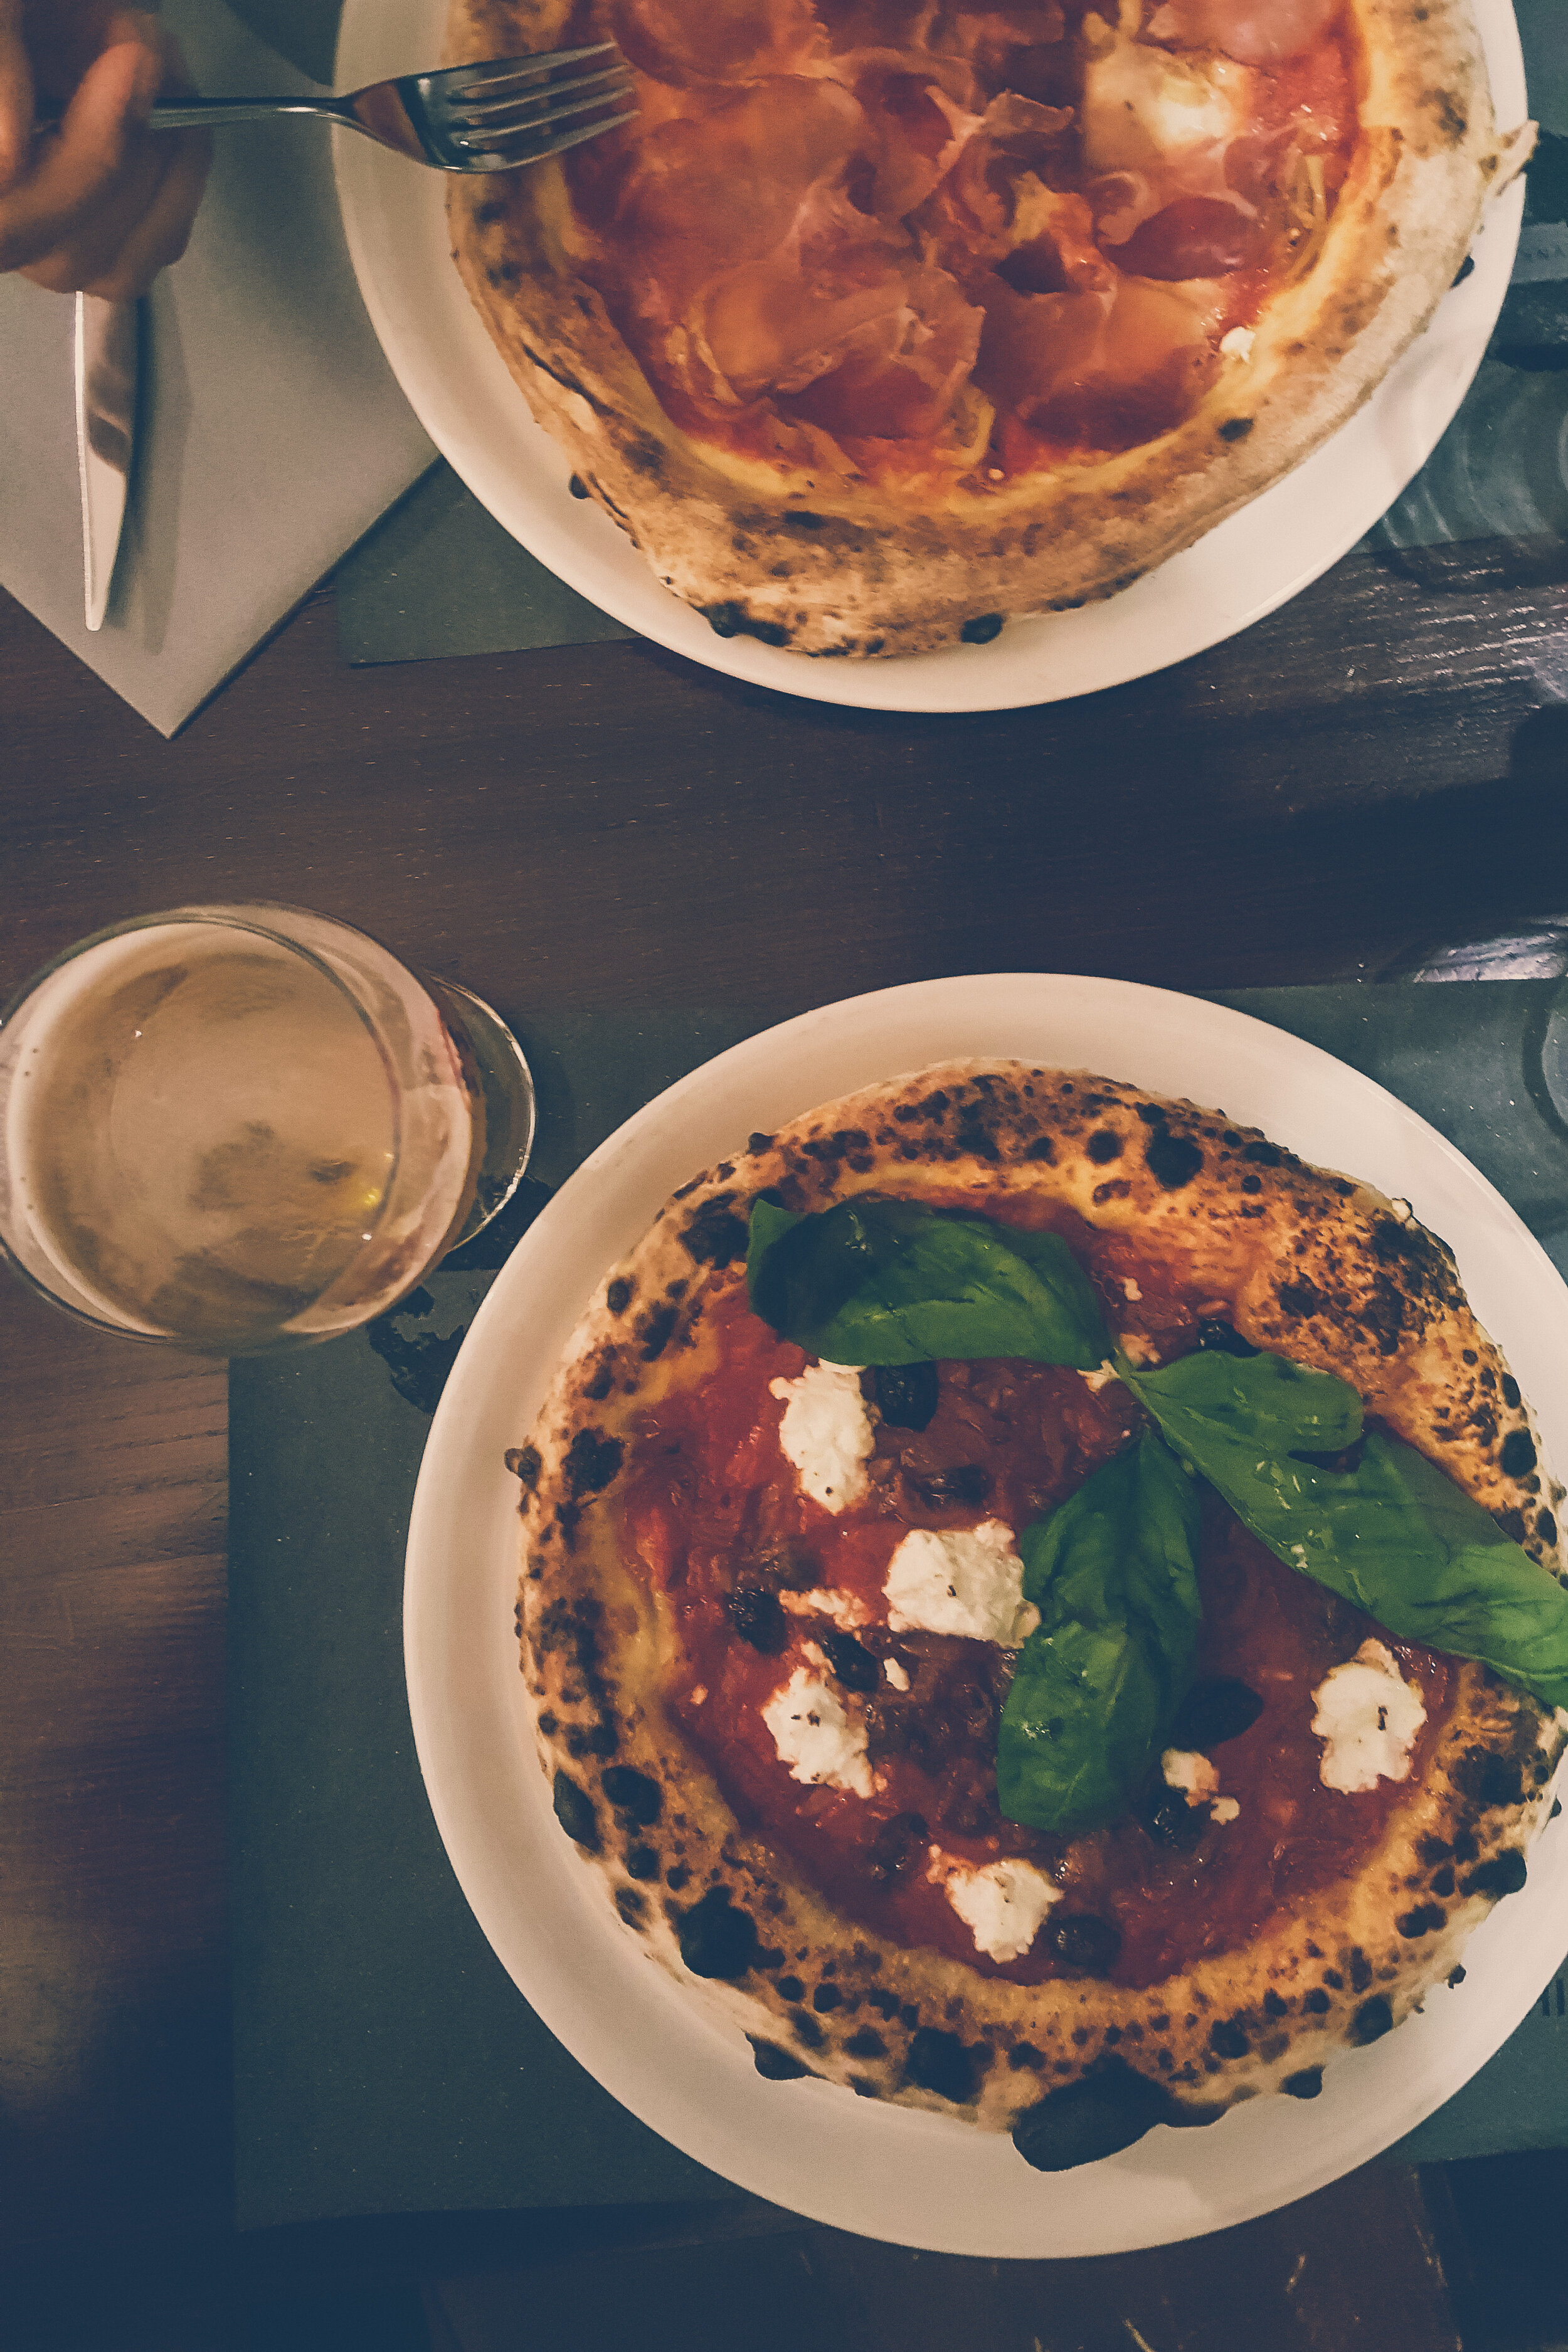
column 1039, row 1605
column 889, row 318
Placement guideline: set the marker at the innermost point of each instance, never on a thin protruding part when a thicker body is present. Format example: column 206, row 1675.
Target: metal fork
column 481, row 118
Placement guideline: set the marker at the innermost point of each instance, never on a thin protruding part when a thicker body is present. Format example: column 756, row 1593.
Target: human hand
column 102, row 202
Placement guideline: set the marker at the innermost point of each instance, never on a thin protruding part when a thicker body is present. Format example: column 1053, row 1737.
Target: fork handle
column 240, row 110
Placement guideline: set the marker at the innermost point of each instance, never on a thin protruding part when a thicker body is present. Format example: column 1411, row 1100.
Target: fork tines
column 508, row 103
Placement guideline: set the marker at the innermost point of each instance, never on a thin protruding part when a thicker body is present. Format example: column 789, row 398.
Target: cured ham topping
column 975, row 240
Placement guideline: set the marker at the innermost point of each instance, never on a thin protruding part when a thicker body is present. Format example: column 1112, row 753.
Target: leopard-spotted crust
column 826, row 563
column 1311, row 1265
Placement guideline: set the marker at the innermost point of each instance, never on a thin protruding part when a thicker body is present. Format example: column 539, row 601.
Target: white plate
column 394, row 215
column 918, row 2179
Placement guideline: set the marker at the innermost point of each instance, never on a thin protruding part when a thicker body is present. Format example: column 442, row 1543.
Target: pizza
column 889, row 318
column 1112, row 1690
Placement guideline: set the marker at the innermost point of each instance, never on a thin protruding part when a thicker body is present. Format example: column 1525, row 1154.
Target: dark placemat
column 383, row 2061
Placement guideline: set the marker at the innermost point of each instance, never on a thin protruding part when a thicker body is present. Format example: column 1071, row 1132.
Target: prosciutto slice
column 1096, row 371
column 1253, row 32
column 758, row 275
column 724, row 40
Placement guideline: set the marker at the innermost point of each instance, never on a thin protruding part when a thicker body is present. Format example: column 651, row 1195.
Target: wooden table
column 1371, row 781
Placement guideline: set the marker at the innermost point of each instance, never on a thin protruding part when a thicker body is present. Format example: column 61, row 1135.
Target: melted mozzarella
column 1144, row 105
column 814, row 1736
column 1002, row 1905
column 964, row 1580
column 1367, row 1719
column 1224, row 1808
column 827, row 1433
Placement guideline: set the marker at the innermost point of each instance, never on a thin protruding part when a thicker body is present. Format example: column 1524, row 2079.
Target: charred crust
column 591, row 1461
column 654, row 1332
column 774, row 2063
column 938, row 2061
column 1505, row 1873
column 524, row 1463
column 717, row 1937
column 573, row 1809
column 1371, row 2021
column 1304, row 2084
column 631, row 1793
column 716, row 1234
column 1174, row 1159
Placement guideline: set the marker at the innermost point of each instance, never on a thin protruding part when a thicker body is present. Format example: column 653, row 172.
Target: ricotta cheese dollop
column 1002, row 1905
column 827, row 1433
column 967, row 1580
column 1367, row 1719
column 1184, row 1768
column 814, row 1736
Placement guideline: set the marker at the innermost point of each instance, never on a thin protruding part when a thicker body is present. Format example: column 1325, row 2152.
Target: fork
column 481, row 118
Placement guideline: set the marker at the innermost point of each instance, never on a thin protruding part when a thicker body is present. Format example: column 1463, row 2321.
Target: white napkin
column 271, row 432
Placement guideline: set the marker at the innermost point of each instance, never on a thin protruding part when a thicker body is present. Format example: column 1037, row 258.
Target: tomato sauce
column 713, row 1505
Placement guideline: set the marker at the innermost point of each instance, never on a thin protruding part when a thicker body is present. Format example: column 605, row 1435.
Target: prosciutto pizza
column 889, row 318
column 1039, row 1605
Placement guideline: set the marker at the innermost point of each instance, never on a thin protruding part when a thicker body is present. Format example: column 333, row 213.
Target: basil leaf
column 1395, row 1535
column 1098, row 1684
column 871, row 1281
column 1269, row 1405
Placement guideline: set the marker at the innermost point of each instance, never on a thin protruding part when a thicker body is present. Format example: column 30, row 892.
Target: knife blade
column 107, row 338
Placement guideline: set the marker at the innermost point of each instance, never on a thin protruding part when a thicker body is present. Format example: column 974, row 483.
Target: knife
column 107, row 335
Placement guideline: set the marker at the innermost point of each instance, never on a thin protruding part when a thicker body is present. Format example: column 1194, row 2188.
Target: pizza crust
column 826, row 562
column 1318, row 1268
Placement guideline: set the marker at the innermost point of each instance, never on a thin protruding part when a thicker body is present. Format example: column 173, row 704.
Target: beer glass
column 245, row 1128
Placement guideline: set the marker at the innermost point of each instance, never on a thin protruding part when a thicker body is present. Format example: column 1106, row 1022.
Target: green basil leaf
column 1113, row 1574
column 1395, row 1535
column 1266, row 1403
column 871, row 1281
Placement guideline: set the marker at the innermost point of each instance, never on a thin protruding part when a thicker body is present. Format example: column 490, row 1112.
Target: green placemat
column 383, row 2061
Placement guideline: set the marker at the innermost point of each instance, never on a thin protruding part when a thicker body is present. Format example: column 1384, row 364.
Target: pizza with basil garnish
column 888, row 319
column 1039, row 1604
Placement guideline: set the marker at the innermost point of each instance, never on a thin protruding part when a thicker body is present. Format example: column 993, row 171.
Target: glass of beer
column 245, row 1128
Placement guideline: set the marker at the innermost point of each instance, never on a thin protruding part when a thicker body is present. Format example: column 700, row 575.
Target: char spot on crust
column 1174, row 1159
column 1236, row 428
column 617, row 1297
column 1361, row 1969
column 717, row 1937
column 1371, row 2021
column 1505, row 1873
column 1305, row 2084
column 1425, row 1918
column 1317, row 2000
column 632, row 1792
column 1489, row 1779
column 937, row 2061
column 1299, row 1299
column 1273, row 2006
column 1107, row 2109
column 573, row 1809
column 1104, row 1145
column 1518, row 1457
column 1228, row 2038
column 983, row 628
column 591, row 1461
column 654, row 1332
column 524, row 1463
column 716, row 1234
column 807, row 2029
column 775, row 2065
column 1043, row 1147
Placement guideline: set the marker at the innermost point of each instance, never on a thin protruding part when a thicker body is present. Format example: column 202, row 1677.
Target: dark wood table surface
column 1371, row 783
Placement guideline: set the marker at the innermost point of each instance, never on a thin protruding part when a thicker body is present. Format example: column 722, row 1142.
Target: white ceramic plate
column 916, row 2178
column 394, row 215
